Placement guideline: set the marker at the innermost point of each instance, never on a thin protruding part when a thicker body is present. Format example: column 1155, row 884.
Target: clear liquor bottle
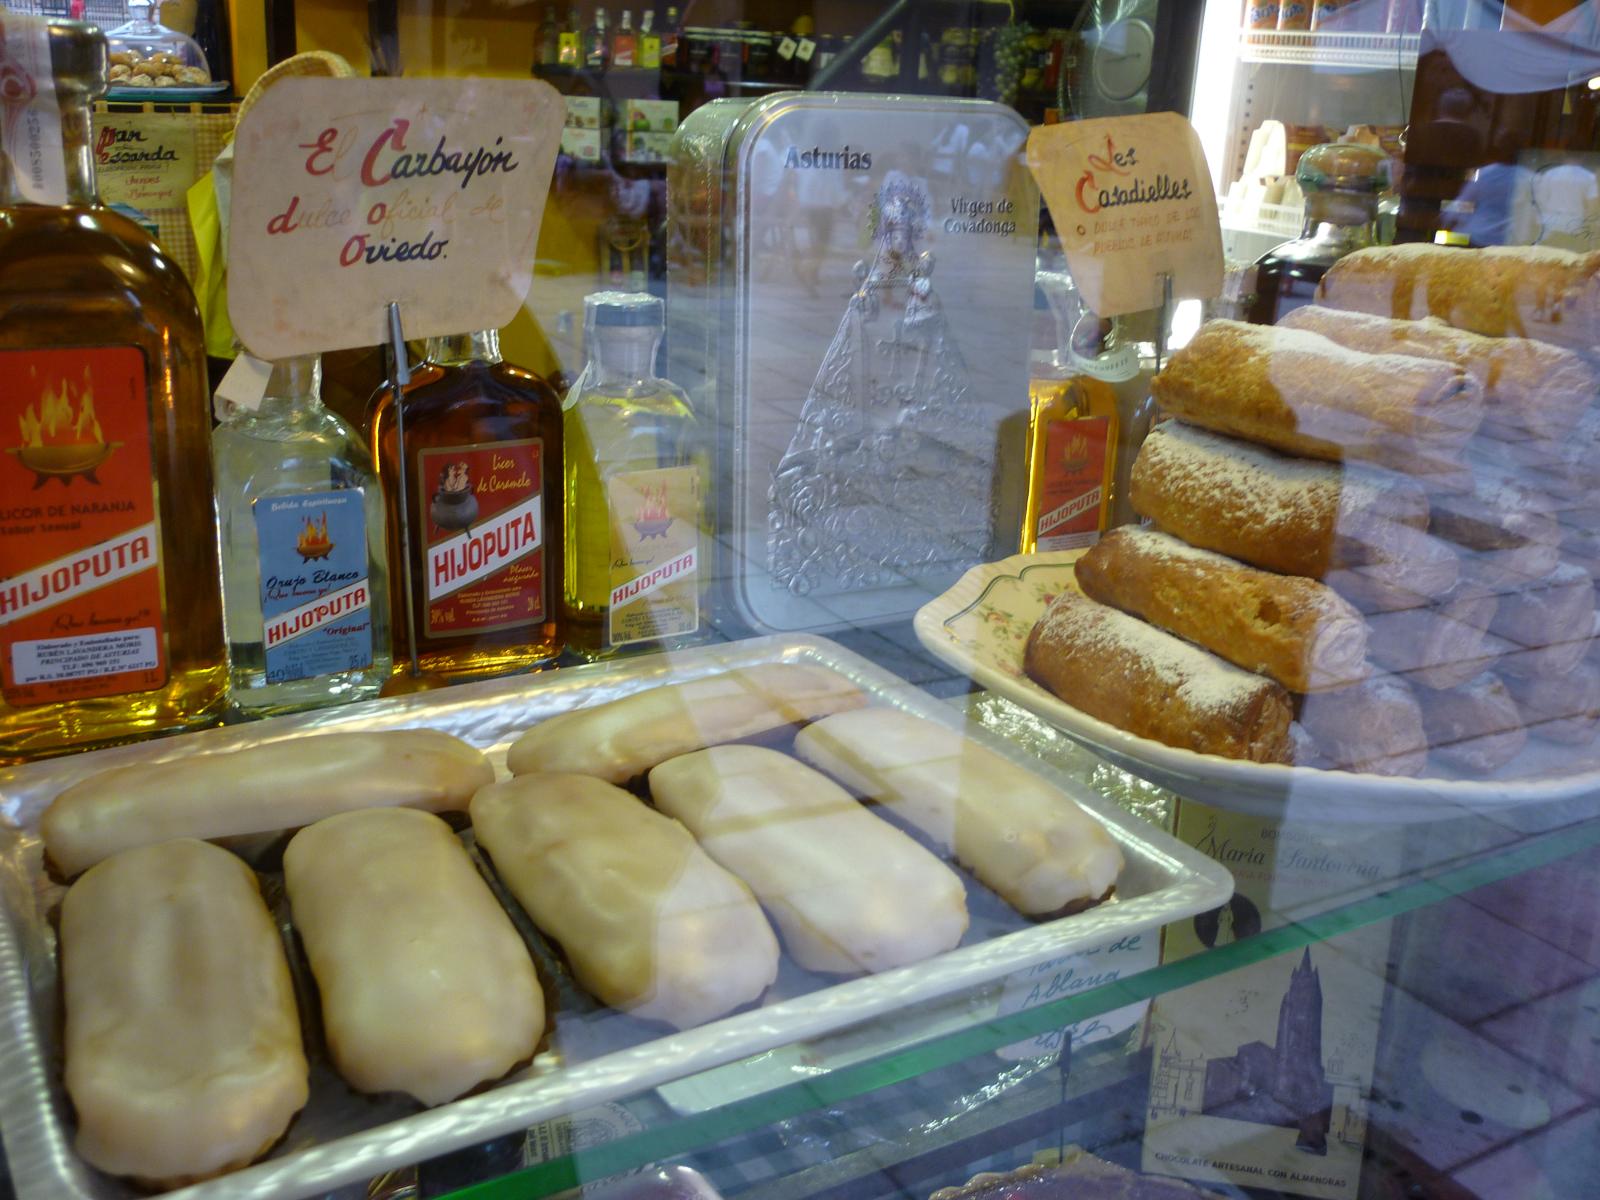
column 304, row 582
column 483, row 505
column 635, row 490
column 104, row 408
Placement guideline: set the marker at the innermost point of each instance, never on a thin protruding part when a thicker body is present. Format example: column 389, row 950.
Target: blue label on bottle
column 316, row 600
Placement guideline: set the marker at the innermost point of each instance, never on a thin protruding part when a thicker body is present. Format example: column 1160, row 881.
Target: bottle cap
column 1343, row 167
column 623, row 309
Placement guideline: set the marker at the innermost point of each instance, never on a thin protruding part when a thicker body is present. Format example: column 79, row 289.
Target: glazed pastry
column 426, row 986
column 1374, row 727
column 1528, row 385
column 1302, row 394
column 1024, row 838
column 279, row 786
column 650, row 924
column 1285, row 514
column 1500, row 291
column 847, row 891
column 1288, row 628
column 624, row 738
column 183, row 1055
column 1440, row 646
column 1475, row 727
column 1560, row 708
column 1134, row 676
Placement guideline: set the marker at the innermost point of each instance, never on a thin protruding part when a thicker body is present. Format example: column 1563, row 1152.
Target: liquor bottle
column 549, row 53
column 623, row 43
column 482, row 513
column 304, row 586
column 1084, row 393
column 649, row 40
column 569, row 42
column 1342, row 183
column 634, row 489
column 670, row 38
column 597, row 41
column 110, row 613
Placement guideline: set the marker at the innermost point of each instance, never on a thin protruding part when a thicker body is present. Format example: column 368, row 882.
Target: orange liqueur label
column 80, row 584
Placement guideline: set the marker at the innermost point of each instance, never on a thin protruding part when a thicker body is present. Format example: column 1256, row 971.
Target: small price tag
column 786, row 48
column 1132, row 200
column 805, row 50
column 351, row 193
column 243, row 386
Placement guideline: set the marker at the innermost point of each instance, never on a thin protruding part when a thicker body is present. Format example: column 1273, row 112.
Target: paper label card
column 351, row 193
column 1131, row 199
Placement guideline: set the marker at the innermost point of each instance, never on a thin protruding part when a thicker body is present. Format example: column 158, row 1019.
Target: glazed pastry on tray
column 183, row 1055
column 426, row 985
column 1134, row 676
column 1291, row 629
column 1500, row 291
column 1301, row 393
column 847, row 890
column 1285, row 514
column 650, row 924
column 279, row 786
column 1023, row 837
column 622, row 739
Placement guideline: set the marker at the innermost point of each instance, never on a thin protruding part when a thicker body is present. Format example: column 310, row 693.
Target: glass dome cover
column 147, row 54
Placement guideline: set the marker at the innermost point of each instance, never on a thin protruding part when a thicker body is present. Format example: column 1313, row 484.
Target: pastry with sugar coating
column 1147, row 682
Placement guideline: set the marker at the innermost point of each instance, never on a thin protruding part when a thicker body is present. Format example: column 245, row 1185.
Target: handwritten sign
column 146, row 160
column 351, row 193
column 1074, row 973
column 1132, row 200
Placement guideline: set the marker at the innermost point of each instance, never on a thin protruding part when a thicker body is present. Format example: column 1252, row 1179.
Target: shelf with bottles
column 1356, row 51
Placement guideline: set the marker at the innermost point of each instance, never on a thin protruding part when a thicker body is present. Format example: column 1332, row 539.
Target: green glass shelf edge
column 704, row 1129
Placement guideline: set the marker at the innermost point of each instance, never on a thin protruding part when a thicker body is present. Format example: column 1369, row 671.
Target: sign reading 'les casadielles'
column 349, row 194
column 1131, row 199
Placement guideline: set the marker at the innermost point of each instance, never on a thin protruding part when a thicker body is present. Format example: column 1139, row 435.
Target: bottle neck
column 459, row 349
column 77, row 150
column 294, row 386
column 623, row 356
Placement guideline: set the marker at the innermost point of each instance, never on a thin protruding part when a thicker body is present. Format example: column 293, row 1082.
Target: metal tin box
column 850, row 302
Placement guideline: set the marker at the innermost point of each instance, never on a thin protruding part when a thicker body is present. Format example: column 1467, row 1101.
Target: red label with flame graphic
column 1072, row 498
column 483, row 523
column 80, row 584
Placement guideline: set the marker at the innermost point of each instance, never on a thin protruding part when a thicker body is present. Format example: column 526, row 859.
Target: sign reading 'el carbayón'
column 1132, row 200
column 351, row 193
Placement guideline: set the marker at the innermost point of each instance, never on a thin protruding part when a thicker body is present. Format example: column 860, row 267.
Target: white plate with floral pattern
column 981, row 625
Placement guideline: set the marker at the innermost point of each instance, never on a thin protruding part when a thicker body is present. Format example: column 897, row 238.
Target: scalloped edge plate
column 980, row 627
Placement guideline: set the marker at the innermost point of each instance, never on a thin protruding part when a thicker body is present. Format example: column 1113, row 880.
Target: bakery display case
column 941, row 600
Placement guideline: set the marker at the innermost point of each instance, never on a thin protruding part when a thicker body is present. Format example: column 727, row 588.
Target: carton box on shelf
column 582, row 144
column 652, row 116
column 586, row 112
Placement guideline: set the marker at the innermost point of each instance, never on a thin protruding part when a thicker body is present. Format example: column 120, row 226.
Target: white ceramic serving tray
column 981, row 625
column 595, row 1054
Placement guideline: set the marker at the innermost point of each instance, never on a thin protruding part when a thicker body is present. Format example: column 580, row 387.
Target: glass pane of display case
column 990, row 599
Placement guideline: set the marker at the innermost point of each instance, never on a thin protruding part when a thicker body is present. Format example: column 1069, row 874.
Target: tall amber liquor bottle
column 110, row 606
column 483, row 501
